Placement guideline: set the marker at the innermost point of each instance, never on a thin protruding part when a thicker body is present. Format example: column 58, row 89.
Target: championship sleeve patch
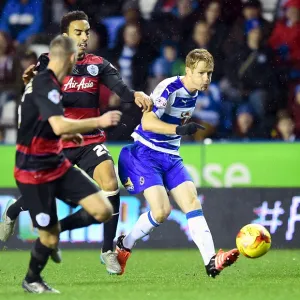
column 54, row 96
column 161, row 102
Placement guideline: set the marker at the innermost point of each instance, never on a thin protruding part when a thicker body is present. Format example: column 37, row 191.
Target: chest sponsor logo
column 82, row 85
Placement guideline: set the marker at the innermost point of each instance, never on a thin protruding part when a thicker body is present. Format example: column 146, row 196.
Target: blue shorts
column 141, row 167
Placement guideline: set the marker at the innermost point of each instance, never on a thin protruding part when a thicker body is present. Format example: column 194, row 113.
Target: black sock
column 110, row 227
column 15, row 209
column 77, row 220
column 39, row 257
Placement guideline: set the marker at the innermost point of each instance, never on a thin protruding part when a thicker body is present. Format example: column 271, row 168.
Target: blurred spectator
column 251, row 10
column 202, row 39
column 212, row 16
column 207, row 112
column 168, row 64
column 294, row 108
column 245, row 125
column 146, row 8
column 174, row 20
column 132, row 15
column 134, row 58
column 285, row 127
column 285, row 39
column 164, row 6
column 27, row 58
column 10, row 75
column 22, row 19
column 96, row 45
column 10, row 88
column 186, row 18
column 250, row 72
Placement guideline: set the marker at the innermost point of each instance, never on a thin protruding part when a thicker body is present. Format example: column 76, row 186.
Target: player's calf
column 56, row 256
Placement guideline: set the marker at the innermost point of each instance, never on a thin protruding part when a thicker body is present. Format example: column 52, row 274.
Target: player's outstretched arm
column 111, row 78
column 150, row 122
column 62, row 125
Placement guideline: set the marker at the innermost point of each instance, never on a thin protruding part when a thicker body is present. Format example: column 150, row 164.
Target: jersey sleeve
column 161, row 96
column 111, row 78
column 47, row 97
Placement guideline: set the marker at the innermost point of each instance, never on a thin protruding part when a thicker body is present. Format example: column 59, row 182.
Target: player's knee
column 106, row 180
column 109, row 185
column 104, row 214
column 50, row 241
column 161, row 215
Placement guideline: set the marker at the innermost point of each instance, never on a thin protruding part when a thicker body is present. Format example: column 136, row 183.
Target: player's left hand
column 76, row 138
column 188, row 129
column 143, row 101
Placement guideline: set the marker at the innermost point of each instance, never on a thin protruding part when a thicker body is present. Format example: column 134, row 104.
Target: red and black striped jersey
column 39, row 155
column 81, row 91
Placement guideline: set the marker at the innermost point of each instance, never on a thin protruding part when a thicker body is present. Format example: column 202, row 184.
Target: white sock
column 201, row 234
column 142, row 227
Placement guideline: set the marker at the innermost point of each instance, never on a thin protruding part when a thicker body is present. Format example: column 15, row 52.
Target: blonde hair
column 196, row 55
column 62, row 46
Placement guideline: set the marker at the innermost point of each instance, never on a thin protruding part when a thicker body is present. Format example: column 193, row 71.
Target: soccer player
column 42, row 171
column 152, row 164
column 81, row 100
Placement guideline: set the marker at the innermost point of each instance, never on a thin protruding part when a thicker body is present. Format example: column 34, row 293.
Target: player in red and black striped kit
column 42, row 171
column 80, row 101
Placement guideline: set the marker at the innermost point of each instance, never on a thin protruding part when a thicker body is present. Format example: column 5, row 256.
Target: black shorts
column 88, row 157
column 39, row 199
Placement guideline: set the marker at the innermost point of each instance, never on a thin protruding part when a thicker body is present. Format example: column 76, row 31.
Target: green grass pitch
column 157, row 274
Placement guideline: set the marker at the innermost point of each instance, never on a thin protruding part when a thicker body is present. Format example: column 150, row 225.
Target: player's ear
column 73, row 58
column 188, row 71
column 64, row 34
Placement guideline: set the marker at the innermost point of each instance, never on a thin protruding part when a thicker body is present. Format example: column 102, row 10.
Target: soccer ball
column 253, row 240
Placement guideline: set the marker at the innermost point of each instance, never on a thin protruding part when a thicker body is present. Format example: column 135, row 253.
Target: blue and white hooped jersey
column 173, row 104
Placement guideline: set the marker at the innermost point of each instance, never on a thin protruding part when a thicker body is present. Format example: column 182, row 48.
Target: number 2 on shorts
column 100, row 150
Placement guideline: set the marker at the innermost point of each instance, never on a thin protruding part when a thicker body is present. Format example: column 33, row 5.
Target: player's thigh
column 159, row 202
column 185, row 195
column 136, row 171
column 105, row 175
column 98, row 206
column 75, row 188
column 41, row 203
column 97, row 162
column 176, row 173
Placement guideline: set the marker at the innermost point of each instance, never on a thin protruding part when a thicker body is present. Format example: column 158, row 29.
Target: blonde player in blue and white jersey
column 152, row 164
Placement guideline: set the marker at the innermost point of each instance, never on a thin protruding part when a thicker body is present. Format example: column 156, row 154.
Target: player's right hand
column 76, row 138
column 188, row 129
column 28, row 74
column 111, row 118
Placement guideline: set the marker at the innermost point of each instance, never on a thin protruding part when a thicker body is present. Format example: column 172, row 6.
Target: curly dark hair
column 71, row 16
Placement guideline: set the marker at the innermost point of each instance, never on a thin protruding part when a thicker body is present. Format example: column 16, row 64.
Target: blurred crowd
column 255, row 90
